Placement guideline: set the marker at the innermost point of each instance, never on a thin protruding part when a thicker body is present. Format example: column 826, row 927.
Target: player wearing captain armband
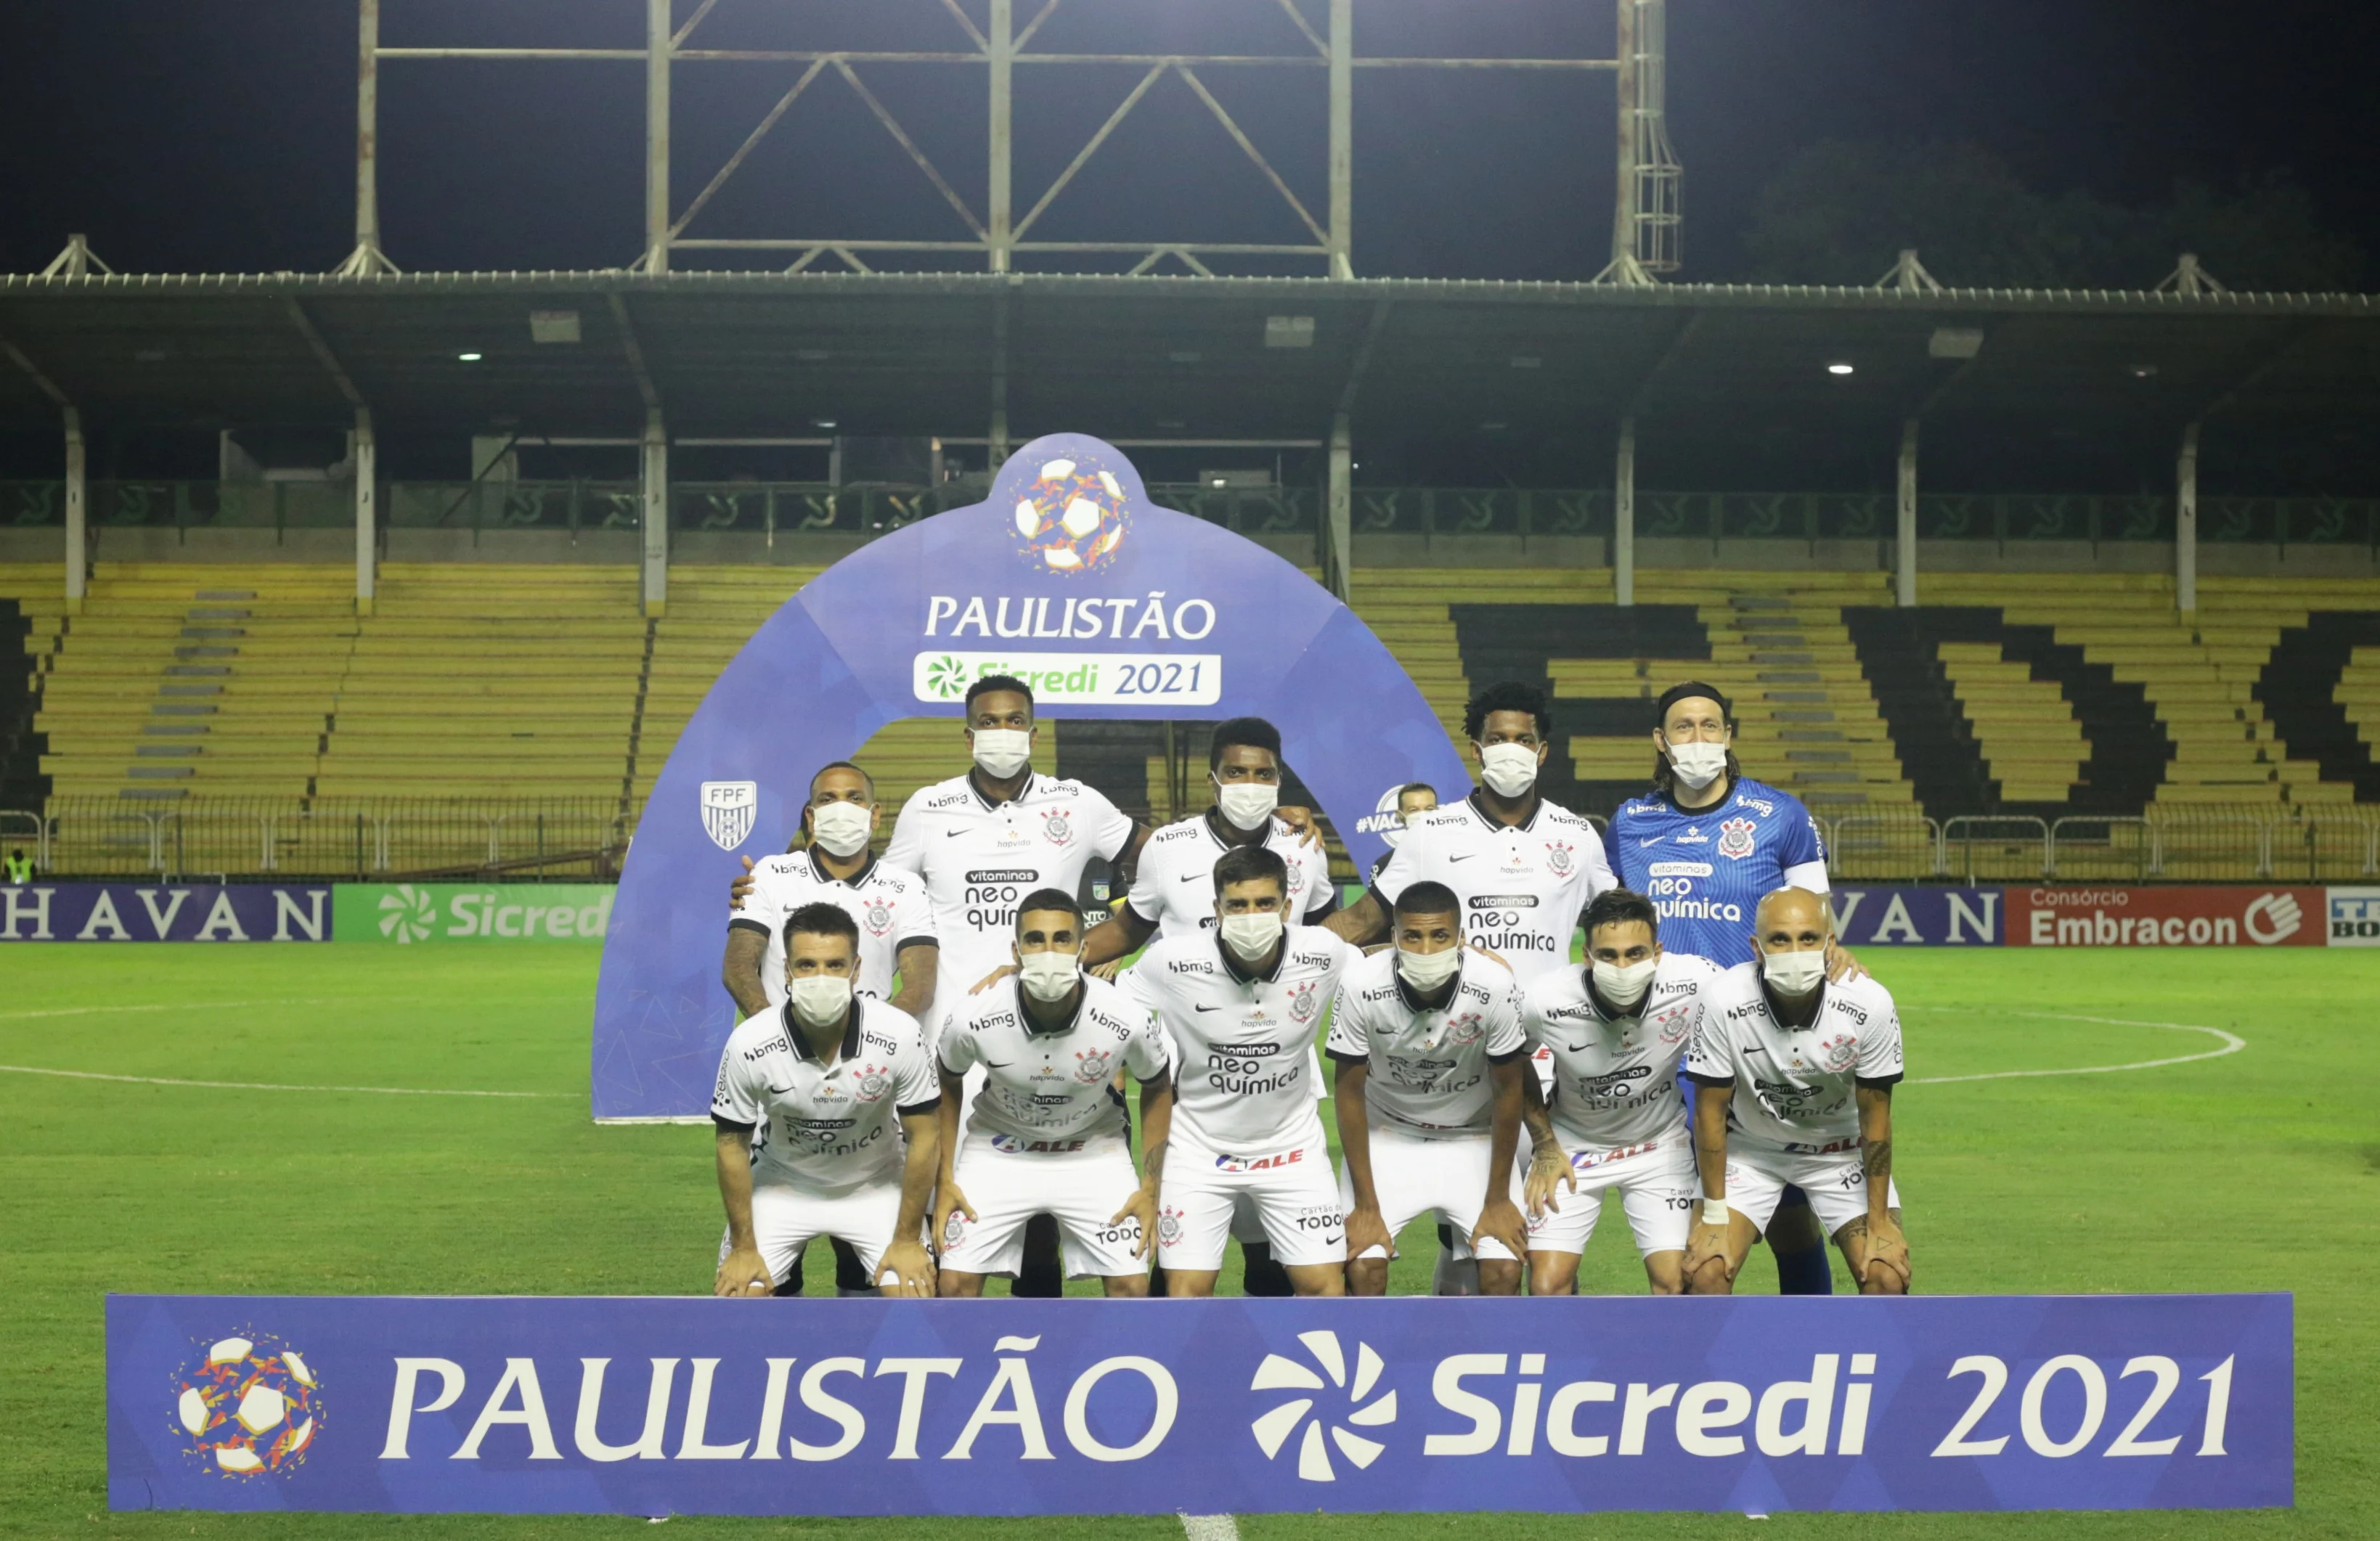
column 1431, row 1066
column 1240, row 1005
column 1704, row 844
column 1047, row 1134
column 825, row 1115
column 1615, row 1030
column 1793, row 1076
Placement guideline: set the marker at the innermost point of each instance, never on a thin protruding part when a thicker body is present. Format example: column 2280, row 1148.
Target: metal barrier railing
column 1896, row 846
column 1996, row 846
column 282, row 838
column 2094, row 848
column 16, row 827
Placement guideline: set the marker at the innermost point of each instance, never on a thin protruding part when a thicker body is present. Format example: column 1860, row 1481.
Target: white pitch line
column 267, row 1085
column 195, row 1006
column 1209, row 1527
column 2232, row 1044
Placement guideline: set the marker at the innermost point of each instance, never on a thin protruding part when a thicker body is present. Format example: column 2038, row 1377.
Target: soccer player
column 1615, row 1029
column 1704, row 846
column 1793, row 1076
column 1240, row 1004
column 1430, row 1061
column 896, row 930
column 825, row 1115
column 1047, row 1135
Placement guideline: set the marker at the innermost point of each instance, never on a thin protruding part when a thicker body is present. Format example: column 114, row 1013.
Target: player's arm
column 1886, row 1248
column 1121, row 935
column 1706, row 1247
column 748, row 949
column 1499, row 1217
column 919, row 964
column 948, row 1196
column 742, row 1275
column 1156, row 1131
column 1365, row 1227
column 1548, row 1164
column 906, row 1269
column 1364, row 922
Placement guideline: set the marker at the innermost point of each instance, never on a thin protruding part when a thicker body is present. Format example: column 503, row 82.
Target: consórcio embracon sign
column 1068, row 577
column 657, row 1406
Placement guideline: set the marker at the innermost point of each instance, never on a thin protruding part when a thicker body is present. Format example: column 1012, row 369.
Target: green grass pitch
column 2258, row 1171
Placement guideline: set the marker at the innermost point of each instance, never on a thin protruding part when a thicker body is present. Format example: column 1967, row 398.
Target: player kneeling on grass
column 1793, row 1079
column 1048, row 1134
column 825, row 1110
column 1615, row 1030
column 1427, row 1037
column 1241, row 1004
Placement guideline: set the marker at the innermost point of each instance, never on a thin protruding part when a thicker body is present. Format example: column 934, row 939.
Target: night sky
column 188, row 138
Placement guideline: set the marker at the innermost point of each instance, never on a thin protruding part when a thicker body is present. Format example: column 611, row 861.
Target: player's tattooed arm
column 907, row 1269
column 919, row 966
column 747, row 950
column 1548, row 1164
column 741, row 889
column 1879, row 1258
column 742, row 1275
column 1155, row 1130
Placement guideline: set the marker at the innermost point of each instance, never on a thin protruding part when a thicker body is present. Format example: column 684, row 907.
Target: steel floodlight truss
column 1644, row 227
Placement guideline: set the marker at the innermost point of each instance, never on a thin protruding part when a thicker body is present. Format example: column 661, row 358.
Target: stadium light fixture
column 469, row 357
column 822, row 422
column 1839, row 368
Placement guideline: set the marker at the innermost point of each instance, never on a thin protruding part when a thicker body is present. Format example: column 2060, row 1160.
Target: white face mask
column 1251, row 936
column 1509, row 769
column 1002, row 752
column 1624, row 984
column 841, row 828
column 1048, row 975
column 1793, row 974
column 819, row 1000
column 1247, row 804
column 1698, row 764
column 1427, row 971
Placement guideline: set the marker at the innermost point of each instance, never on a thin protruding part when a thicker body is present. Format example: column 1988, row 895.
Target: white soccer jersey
column 1616, row 1077
column 980, row 858
column 1523, row 887
column 1428, row 1064
column 887, row 903
column 1793, row 1086
column 1243, row 1044
column 1173, row 887
column 825, row 1128
column 1050, row 1091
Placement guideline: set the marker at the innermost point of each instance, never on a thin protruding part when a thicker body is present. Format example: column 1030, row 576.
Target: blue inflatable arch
column 1068, row 575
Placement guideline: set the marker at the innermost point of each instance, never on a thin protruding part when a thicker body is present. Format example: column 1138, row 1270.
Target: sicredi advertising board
column 1068, row 577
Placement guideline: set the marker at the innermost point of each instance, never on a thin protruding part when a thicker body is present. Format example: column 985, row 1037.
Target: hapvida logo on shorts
column 1274, row 1429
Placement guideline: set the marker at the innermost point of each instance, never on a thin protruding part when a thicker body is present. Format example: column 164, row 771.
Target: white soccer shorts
column 1658, row 1191
column 1835, row 1180
column 1080, row 1189
column 785, row 1220
column 1413, row 1175
column 1293, row 1192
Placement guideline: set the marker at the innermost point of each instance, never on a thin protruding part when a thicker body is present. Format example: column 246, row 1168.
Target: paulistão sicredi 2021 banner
column 668, row 1406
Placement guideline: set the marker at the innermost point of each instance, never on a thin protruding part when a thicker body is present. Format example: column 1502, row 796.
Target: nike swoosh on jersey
column 1206, row 1007
column 998, row 1064
column 1655, row 841
column 953, row 834
column 1466, row 856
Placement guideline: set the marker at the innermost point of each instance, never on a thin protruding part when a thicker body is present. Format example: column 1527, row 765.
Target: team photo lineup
column 1523, row 1015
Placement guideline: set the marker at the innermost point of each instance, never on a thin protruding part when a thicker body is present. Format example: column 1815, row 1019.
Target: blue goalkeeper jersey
column 1706, row 871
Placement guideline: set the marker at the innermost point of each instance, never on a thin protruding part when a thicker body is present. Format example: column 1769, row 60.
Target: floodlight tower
column 1645, row 222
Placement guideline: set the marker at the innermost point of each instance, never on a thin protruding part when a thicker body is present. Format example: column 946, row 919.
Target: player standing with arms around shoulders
column 1431, row 1067
column 825, row 1116
column 1793, row 1078
column 1615, row 1029
column 1705, row 845
column 889, row 903
column 1047, row 1134
column 1240, row 1004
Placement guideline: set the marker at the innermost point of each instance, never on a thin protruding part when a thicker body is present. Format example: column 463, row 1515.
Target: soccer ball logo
column 1280, row 1373
column 406, row 914
column 249, row 1406
column 1070, row 518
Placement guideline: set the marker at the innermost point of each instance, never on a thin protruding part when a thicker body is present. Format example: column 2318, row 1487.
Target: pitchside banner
column 412, row 913
column 680, row 1406
column 1106, row 605
column 164, row 912
column 1917, row 917
column 2191, row 916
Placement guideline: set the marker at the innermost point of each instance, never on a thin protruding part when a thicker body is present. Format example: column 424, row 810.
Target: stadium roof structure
column 1151, row 359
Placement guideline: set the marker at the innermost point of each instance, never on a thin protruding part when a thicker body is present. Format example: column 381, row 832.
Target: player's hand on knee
column 1884, row 1249
column 1501, row 1218
column 997, row 975
column 1548, row 1170
column 1140, row 1207
column 1705, row 1244
column 1366, row 1230
column 742, row 1276
column 907, row 1272
column 741, row 889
